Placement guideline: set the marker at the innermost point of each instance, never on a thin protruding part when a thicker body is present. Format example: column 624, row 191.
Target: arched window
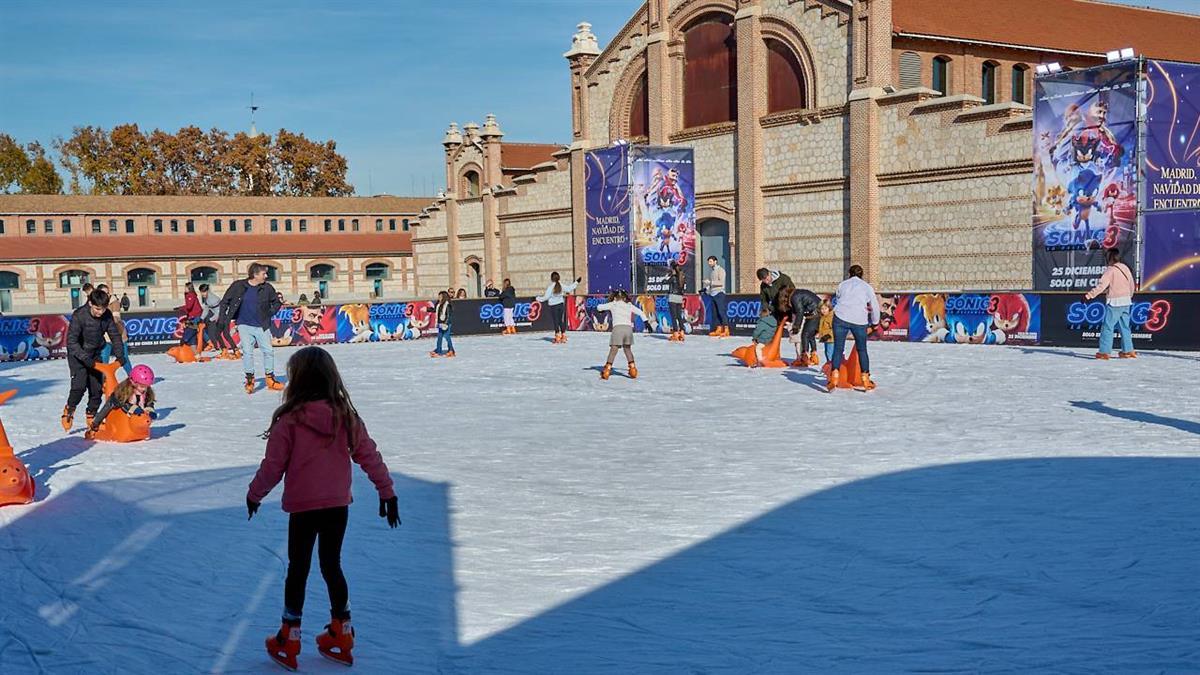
column 322, row 272
column 785, row 79
column 941, row 74
column 470, row 184
column 95, row 226
column 910, row 70
column 639, row 111
column 72, row 278
column 9, row 282
column 272, row 272
column 129, row 226
column 112, row 225
column 379, row 224
column 987, row 82
column 1020, row 73
column 378, row 271
column 141, row 276
column 205, row 275
column 709, row 72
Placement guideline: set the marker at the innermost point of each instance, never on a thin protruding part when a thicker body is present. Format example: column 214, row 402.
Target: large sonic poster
column 1171, row 237
column 663, row 216
column 1085, row 131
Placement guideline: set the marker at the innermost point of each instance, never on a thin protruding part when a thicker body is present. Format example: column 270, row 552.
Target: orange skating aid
column 336, row 641
column 849, row 375
column 121, row 427
column 182, row 354
column 110, row 376
column 770, row 358
column 16, row 486
column 284, row 646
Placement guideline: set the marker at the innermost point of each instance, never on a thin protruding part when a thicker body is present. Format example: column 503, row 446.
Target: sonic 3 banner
column 1171, row 228
column 663, row 194
column 609, row 246
column 975, row 318
column 1085, row 131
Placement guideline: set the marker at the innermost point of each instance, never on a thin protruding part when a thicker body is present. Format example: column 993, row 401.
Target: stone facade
column 924, row 189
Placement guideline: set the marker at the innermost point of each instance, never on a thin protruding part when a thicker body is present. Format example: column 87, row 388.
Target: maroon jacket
column 191, row 307
column 313, row 459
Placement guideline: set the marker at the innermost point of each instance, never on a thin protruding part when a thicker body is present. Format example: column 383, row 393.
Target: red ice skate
column 272, row 383
column 336, row 641
column 633, row 371
column 607, row 372
column 1127, row 355
column 284, row 646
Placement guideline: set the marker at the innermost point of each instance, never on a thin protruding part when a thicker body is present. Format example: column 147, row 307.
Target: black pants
column 676, row 315
column 85, row 377
column 218, row 334
column 558, row 314
column 808, row 333
column 326, row 528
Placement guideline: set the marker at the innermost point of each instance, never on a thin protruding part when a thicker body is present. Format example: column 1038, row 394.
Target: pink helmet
column 142, row 375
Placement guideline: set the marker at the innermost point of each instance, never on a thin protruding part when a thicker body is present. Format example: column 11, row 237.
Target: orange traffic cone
column 16, row 486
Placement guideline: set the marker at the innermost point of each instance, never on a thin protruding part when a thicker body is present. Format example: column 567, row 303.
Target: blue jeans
column 252, row 336
column 828, row 352
column 1113, row 317
column 444, row 333
column 720, row 311
column 125, row 364
column 859, row 331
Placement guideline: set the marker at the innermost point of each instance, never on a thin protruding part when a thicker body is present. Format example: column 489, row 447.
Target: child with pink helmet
column 134, row 396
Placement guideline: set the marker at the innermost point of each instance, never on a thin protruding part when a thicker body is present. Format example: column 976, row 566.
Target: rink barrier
column 1160, row 321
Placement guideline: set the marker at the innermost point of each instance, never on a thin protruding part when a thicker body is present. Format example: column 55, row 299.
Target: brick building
column 892, row 133
column 353, row 248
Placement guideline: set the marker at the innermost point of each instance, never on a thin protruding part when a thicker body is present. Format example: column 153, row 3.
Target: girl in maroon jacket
column 312, row 439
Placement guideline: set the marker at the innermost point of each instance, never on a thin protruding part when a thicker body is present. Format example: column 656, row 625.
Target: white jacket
column 851, row 301
column 622, row 312
column 552, row 298
column 714, row 282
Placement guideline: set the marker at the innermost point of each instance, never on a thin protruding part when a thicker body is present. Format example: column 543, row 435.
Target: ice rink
column 987, row 509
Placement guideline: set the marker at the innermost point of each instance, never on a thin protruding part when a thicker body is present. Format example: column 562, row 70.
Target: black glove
column 251, row 508
column 390, row 509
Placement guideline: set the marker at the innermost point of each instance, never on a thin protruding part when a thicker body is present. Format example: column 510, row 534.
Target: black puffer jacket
column 231, row 302
column 805, row 303
column 85, row 335
column 508, row 297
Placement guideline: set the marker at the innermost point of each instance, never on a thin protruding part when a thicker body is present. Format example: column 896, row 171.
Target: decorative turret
column 583, row 43
column 472, row 130
column 453, row 136
column 490, row 128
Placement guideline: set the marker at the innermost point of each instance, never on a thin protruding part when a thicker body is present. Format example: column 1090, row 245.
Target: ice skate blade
column 286, row 666
column 337, row 658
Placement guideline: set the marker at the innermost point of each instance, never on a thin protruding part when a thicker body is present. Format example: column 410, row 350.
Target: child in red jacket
column 312, row 439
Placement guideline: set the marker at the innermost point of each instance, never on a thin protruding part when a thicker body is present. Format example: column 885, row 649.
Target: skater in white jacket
column 556, row 296
column 621, row 311
column 855, row 311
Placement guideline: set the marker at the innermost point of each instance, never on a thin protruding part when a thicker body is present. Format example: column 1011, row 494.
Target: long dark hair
column 557, row 284
column 313, row 376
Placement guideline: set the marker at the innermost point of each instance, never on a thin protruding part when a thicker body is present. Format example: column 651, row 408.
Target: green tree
column 14, row 164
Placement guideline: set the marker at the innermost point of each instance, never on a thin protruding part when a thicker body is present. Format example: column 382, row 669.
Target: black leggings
column 218, row 334
column 676, row 315
column 326, row 528
column 85, row 378
column 558, row 314
column 808, row 333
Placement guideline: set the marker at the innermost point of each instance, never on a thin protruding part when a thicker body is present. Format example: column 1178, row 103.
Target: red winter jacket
column 192, row 308
column 313, row 459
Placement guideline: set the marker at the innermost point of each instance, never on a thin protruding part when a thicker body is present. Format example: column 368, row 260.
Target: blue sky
column 382, row 78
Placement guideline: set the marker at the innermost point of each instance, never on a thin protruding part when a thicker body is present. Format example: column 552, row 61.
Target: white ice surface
column 976, row 513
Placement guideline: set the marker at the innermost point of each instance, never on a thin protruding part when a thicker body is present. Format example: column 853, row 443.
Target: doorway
column 476, row 279
column 714, row 240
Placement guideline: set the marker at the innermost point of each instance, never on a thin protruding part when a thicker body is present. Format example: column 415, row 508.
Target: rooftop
column 148, row 246
column 1067, row 25
column 525, row 156
column 127, row 204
